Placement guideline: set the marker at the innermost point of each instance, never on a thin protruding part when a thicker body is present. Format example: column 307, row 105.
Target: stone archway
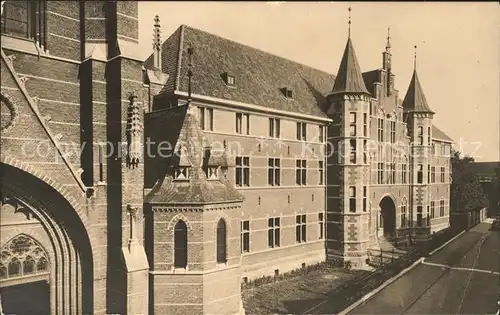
column 387, row 227
column 42, row 223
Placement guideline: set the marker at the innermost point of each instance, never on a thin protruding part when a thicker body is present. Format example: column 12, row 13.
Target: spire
column 415, row 100
column 386, row 55
column 157, row 43
column 349, row 78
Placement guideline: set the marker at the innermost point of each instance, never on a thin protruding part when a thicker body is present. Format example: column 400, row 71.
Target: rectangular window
column 352, row 152
column 273, row 232
column 352, row 124
column 380, row 173
column 274, row 128
column 433, row 174
column 301, row 172
column 300, row 228
column 420, row 135
column 403, row 173
column 25, row 19
column 239, row 123
column 419, row 215
column 443, row 149
column 442, row 174
column 403, row 215
column 242, row 171
column 428, row 174
column 274, row 172
column 380, row 129
column 441, row 208
column 388, row 172
column 420, row 174
column 245, row 236
column 393, row 173
column 321, row 172
column 321, row 226
column 301, row 131
column 243, row 123
column 206, row 118
column 433, row 213
column 365, row 197
column 393, row 132
column 321, row 134
column 365, row 125
column 365, row 152
column 429, row 141
column 352, row 199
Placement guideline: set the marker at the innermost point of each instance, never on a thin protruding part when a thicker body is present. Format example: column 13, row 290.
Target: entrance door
column 388, row 217
column 31, row 298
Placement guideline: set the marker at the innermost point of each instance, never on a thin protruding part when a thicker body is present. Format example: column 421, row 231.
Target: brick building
column 154, row 186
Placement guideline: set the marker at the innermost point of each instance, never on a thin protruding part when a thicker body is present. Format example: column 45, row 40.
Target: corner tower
column 418, row 116
column 348, row 168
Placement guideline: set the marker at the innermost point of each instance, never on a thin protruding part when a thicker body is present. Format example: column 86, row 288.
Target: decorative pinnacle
column 415, row 58
column 388, row 45
column 349, row 23
column 156, row 34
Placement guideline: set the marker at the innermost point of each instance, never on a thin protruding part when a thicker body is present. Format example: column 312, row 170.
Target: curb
column 380, row 288
column 448, row 242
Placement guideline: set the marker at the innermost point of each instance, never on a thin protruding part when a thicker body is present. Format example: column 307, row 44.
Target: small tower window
column 180, row 245
column 212, row 172
column 221, row 242
column 181, row 173
column 287, row 92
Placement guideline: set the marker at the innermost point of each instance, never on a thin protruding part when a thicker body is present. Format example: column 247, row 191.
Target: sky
column 458, row 57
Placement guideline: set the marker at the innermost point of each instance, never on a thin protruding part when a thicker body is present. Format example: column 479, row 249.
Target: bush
column 322, row 266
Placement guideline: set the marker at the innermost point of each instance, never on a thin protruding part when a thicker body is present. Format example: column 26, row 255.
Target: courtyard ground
column 296, row 294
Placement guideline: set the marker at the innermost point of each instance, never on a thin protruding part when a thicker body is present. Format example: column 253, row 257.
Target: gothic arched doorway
column 387, row 218
column 46, row 264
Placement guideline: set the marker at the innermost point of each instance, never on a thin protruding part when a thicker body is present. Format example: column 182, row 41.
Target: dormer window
column 181, row 173
column 212, row 172
column 229, row 79
column 287, row 92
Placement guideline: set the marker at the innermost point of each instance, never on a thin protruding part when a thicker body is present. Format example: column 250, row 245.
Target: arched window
column 28, row 265
column 42, row 264
column 180, row 245
column 221, row 242
column 404, row 218
column 14, row 267
column 3, row 271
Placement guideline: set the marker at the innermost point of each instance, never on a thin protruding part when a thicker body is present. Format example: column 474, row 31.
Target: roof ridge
column 258, row 49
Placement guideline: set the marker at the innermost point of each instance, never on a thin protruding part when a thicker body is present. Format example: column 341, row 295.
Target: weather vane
column 349, row 28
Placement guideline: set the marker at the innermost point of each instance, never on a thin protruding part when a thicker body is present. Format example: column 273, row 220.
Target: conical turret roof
column 415, row 100
column 349, row 78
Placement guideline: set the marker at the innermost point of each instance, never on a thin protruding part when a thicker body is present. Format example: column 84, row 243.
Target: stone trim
column 175, row 219
column 26, row 167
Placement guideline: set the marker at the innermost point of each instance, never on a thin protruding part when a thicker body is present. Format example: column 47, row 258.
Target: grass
column 295, row 295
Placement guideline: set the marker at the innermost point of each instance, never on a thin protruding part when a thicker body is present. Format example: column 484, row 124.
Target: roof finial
column 157, row 43
column 388, row 45
column 349, row 27
column 190, row 72
column 415, row 59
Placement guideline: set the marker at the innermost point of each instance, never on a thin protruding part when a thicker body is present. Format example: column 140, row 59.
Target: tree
column 466, row 190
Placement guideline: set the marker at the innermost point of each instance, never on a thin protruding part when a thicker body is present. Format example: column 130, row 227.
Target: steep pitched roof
column 259, row 76
column 349, row 78
column 440, row 135
column 180, row 128
column 415, row 100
